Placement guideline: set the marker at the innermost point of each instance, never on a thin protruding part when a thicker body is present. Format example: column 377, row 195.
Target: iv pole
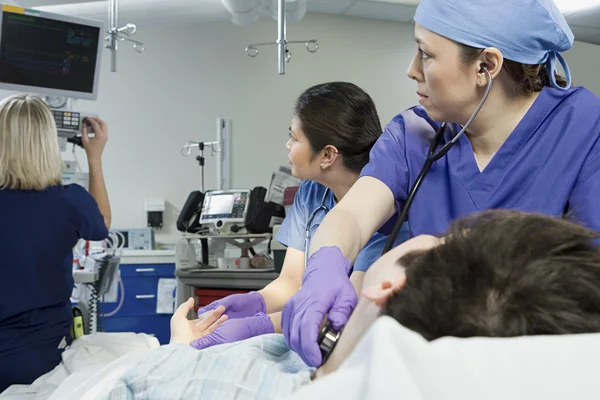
column 115, row 34
column 220, row 148
column 283, row 54
column 282, row 39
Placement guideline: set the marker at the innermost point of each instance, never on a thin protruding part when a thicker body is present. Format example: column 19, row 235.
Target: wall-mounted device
column 80, row 178
column 69, row 124
column 224, row 211
column 137, row 239
column 71, row 174
column 154, row 208
column 50, row 54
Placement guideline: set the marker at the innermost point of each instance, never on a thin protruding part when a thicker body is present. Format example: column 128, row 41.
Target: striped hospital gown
column 262, row 368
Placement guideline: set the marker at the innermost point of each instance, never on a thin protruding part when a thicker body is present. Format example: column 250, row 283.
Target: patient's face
column 385, row 272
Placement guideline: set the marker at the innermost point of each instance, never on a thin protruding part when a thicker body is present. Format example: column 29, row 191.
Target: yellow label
column 13, row 9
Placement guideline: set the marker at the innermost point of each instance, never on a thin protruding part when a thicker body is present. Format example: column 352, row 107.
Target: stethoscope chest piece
column 327, row 340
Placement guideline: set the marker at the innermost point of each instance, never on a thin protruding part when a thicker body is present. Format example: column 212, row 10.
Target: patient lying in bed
column 499, row 274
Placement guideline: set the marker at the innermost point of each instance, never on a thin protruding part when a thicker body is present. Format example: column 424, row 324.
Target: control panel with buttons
column 70, row 121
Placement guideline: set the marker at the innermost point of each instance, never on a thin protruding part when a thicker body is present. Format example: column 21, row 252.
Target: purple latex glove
column 326, row 289
column 238, row 305
column 234, row 330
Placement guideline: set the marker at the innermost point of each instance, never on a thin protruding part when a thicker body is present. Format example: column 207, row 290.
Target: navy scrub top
column 38, row 230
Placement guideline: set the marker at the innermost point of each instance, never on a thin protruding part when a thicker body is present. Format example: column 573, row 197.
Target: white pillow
column 392, row 362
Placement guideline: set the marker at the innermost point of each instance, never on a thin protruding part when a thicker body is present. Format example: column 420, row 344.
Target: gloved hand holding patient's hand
column 185, row 331
column 235, row 330
column 238, row 305
column 326, row 289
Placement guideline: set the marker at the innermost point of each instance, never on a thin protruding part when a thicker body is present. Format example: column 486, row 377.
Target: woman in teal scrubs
column 334, row 127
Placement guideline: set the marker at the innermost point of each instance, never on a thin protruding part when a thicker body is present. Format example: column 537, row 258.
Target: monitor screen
column 219, row 205
column 224, row 204
column 49, row 54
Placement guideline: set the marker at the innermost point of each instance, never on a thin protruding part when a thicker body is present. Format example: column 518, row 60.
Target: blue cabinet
column 137, row 299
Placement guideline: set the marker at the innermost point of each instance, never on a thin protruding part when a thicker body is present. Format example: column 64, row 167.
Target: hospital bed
column 389, row 362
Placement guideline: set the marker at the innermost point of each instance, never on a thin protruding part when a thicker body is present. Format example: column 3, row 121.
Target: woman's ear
column 328, row 156
column 491, row 59
column 379, row 294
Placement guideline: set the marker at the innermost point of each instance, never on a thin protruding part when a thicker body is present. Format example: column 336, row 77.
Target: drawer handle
column 145, row 296
column 144, row 270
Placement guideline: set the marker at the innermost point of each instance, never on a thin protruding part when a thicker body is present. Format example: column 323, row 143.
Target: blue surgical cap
column 525, row 31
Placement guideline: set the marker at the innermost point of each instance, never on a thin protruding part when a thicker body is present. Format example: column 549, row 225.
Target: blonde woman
column 41, row 221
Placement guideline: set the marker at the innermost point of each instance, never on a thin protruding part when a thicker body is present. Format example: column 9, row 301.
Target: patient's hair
column 503, row 274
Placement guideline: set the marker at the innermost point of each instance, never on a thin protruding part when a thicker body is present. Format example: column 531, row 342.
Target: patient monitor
column 53, row 55
column 225, row 211
column 49, row 54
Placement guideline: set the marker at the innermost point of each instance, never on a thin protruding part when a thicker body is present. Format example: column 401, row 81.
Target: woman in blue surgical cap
column 534, row 146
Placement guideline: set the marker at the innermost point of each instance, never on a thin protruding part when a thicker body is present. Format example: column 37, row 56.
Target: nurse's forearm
column 339, row 228
column 98, row 190
column 351, row 223
column 276, row 320
column 278, row 292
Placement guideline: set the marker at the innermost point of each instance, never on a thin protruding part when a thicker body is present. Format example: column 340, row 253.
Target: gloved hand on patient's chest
column 234, row 330
column 326, row 289
column 238, row 305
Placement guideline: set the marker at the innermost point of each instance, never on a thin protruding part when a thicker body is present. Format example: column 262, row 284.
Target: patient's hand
column 186, row 331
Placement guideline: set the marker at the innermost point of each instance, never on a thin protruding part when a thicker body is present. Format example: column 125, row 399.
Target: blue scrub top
column 550, row 160
column 39, row 231
column 308, row 198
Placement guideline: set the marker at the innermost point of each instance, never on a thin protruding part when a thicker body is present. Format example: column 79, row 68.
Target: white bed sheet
column 89, row 369
column 392, row 362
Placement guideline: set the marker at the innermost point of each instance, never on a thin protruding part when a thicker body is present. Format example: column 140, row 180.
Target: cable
column 121, row 301
column 432, row 157
column 93, row 308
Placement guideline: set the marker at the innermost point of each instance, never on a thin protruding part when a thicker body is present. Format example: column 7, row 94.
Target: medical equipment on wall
column 220, row 147
column 55, row 56
column 116, row 34
column 72, row 173
column 154, row 207
column 432, row 157
column 49, row 54
column 69, row 124
column 97, row 270
column 287, row 10
column 135, row 239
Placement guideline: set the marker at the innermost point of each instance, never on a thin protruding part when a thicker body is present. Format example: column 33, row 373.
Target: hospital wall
column 191, row 75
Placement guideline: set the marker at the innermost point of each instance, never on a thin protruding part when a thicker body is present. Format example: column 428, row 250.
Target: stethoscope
column 432, row 157
column 322, row 207
column 328, row 338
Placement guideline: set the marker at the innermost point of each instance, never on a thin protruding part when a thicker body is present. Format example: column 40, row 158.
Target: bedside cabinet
column 143, row 299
